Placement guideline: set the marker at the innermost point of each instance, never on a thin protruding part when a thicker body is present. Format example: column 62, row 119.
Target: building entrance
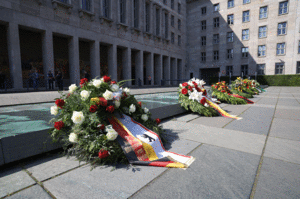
column 206, row 73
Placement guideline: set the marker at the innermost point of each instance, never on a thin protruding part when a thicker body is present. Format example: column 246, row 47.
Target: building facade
column 243, row 37
column 126, row 39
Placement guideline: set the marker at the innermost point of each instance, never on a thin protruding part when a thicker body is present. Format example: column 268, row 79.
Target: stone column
column 74, row 68
column 95, row 59
column 166, row 67
column 179, row 69
column 127, row 65
column 14, row 55
column 112, row 62
column 149, row 67
column 48, row 57
column 139, row 67
column 158, row 71
column 175, row 83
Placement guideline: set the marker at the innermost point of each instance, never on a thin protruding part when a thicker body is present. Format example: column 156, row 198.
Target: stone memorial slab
column 35, row 191
column 285, row 128
column 278, row 179
column 216, row 173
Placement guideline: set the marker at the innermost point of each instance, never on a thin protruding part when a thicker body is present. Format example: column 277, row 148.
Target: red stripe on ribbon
column 238, row 96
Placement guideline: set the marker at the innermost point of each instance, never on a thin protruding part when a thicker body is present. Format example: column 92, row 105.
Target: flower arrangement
column 82, row 120
column 244, row 87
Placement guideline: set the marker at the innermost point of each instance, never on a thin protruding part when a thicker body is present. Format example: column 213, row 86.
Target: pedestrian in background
column 50, row 80
column 35, row 77
column 59, row 79
column 149, row 80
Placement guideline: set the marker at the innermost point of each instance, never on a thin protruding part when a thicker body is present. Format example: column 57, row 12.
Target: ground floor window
column 279, row 68
column 298, row 67
column 229, row 70
column 244, row 70
column 260, row 69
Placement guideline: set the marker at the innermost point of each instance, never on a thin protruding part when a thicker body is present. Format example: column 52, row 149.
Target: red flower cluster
column 102, row 102
column 202, row 101
column 158, row 121
column 110, row 109
column 103, row 154
column 59, row 125
column 113, row 82
column 102, row 127
column 140, row 104
column 60, row 103
column 204, row 92
column 184, row 84
column 106, row 78
column 93, row 108
column 184, row 91
column 190, row 88
column 83, row 81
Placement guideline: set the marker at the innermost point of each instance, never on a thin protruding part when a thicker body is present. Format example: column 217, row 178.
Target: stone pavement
column 256, row 157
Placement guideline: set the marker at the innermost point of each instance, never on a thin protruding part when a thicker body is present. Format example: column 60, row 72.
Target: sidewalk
column 256, row 157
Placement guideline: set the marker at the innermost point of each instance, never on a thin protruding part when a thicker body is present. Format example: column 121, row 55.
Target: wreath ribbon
column 238, row 96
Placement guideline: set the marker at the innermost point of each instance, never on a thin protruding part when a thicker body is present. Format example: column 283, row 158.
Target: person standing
column 149, row 80
column 35, row 76
column 50, row 80
column 59, row 79
column 86, row 75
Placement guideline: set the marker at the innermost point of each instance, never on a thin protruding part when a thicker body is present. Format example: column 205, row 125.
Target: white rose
column 73, row 137
column 127, row 91
column 144, row 117
column 77, row 117
column 132, row 108
column 117, row 103
column 85, row 94
column 114, row 87
column 111, row 135
column 201, row 82
column 54, row 110
column 146, row 110
column 180, row 85
column 206, row 105
column 97, row 83
column 72, row 88
column 108, row 95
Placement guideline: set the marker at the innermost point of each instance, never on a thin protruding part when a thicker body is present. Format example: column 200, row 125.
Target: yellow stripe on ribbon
column 176, row 165
column 149, row 151
column 221, row 111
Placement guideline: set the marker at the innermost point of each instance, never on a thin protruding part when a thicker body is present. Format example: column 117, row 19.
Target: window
column 230, row 37
column 166, row 25
column 260, row 69
column 165, row 2
column 203, row 56
column 105, row 7
column 244, row 70
column 262, row 51
column 262, row 31
column 122, row 11
column 283, row 7
column 172, row 21
column 172, row 38
column 86, row 5
column 230, row 19
column 203, row 41
column 245, row 34
column 216, row 7
column 179, row 24
column 229, row 70
column 179, row 8
column 64, row 1
column 230, row 3
column 203, row 25
column 216, row 55
column 216, row 38
column 172, row 4
column 280, row 49
column 136, row 13
column 245, row 52
column 203, row 10
column 298, row 67
column 246, row 16
column 157, row 22
column 179, row 40
column 216, row 22
column 299, row 47
column 263, row 12
column 229, row 53
column 147, row 17
column 246, row 1
column 281, row 28
column 279, row 68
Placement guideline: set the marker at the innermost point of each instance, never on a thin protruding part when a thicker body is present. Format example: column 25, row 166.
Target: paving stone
column 285, row 128
column 35, row 191
column 13, row 179
column 284, row 113
column 104, row 183
column 216, row 173
column 255, row 120
column 288, row 102
column 212, row 121
column 187, row 117
column 283, row 149
column 237, row 140
column 268, row 101
column 278, row 179
column 1, row 155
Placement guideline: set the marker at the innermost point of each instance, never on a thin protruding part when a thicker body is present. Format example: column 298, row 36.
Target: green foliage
column 224, row 97
column 242, row 93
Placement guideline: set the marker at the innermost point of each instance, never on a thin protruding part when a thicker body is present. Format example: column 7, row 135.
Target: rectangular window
column 65, row 1
column 203, row 25
column 136, row 13
column 216, row 55
column 179, row 8
column 122, row 11
column 179, row 24
column 230, row 19
column 230, row 3
column 147, row 17
column 298, row 67
column 280, row 49
column 260, row 69
column 262, row 31
column 246, row 16
column 229, row 70
column 179, row 40
column 172, row 38
column 230, row 37
column 263, row 12
column 283, row 7
column 262, row 51
column 86, row 5
column 245, row 51
column 216, row 7
column 246, row 1
column 245, row 34
column 172, row 4
column 203, row 10
column 299, row 47
column 203, row 41
column 172, row 21
column 216, row 38
column 244, row 70
column 229, row 53
column 203, row 56
column 166, row 25
column 216, row 22
column 165, row 2
column 157, row 22
column 279, row 68
column 106, row 11
column 281, row 28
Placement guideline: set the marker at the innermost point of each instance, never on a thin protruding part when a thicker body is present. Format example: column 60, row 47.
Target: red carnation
column 184, row 84
column 247, row 87
column 184, row 91
column 83, row 81
column 102, row 127
column 93, row 108
column 158, row 120
column 113, row 82
column 106, row 78
column 103, row 154
column 58, row 125
column 190, row 88
column 202, row 101
column 110, row 109
column 223, row 91
column 60, row 103
column 140, row 104
column 216, row 86
column 102, row 102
